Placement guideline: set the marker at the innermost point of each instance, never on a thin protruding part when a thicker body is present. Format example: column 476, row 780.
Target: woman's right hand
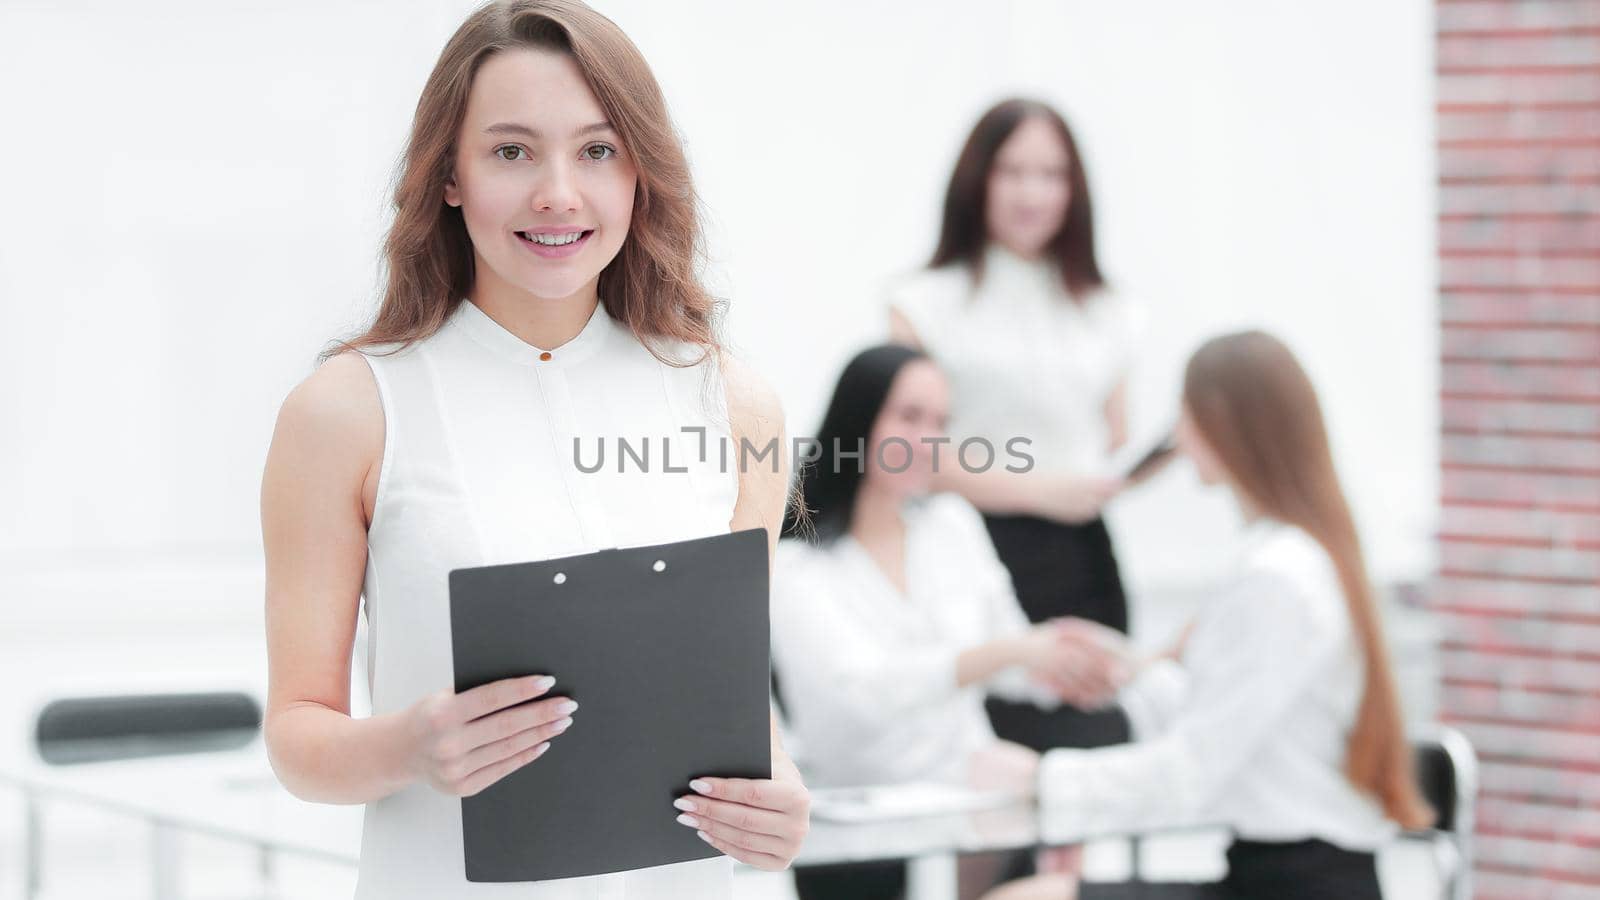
column 1071, row 658
column 1075, row 499
column 462, row 743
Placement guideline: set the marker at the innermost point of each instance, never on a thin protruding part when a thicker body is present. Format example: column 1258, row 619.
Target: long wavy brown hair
column 652, row 285
column 1257, row 409
column 964, row 230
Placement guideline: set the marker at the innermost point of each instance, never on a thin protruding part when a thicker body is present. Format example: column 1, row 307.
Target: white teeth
column 552, row 240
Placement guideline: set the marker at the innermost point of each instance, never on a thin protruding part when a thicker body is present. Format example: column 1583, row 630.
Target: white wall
column 1265, row 164
column 196, row 193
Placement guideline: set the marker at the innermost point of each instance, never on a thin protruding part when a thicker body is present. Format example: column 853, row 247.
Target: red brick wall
column 1518, row 592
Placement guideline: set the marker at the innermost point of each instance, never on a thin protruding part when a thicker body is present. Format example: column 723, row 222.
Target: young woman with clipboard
column 541, row 287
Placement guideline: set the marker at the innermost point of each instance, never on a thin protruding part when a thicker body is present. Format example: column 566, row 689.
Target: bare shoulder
column 755, row 416
column 754, row 410
column 339, row 399
column 330, row 426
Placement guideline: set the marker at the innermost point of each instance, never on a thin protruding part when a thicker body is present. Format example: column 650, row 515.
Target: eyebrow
column 534, row 134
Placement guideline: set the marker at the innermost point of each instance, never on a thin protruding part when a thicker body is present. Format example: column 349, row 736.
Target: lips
column 555, row 244
column 554, row 239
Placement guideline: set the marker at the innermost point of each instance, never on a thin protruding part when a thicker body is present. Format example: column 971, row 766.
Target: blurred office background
column 1406, row 191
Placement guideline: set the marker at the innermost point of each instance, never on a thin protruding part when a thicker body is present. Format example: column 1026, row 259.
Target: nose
column 556, row 189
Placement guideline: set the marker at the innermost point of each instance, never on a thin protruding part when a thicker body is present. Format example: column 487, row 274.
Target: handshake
column 1083, row 663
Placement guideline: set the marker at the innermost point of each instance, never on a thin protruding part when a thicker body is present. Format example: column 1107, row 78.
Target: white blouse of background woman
column 868, row 674
column 1023, row 358
column 1250, row 730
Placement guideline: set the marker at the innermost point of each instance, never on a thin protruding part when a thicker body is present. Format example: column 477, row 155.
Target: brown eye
column 597, row 152
column 501, row 152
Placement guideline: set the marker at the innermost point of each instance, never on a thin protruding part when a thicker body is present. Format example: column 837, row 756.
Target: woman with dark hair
column 541, row 291
column 1014, row 308
column 1279, row 717
column 892, row 616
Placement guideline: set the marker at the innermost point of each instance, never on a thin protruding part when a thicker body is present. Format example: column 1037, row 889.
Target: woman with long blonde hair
column 1279, row 717
column 541, row 291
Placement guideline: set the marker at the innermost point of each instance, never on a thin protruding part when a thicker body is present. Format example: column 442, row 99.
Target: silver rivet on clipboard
column 660, row 566
column 561, row 578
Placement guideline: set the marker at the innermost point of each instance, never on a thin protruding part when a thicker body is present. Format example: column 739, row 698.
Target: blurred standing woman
column 1015, row 310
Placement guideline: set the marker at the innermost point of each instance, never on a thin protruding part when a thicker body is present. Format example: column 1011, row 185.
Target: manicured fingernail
column 560, row 725
column 566, row 706
column 539, row 750
column 689, row 821
column 684, row 803
column 700, row 787
column 703, row 836
column 543, row 683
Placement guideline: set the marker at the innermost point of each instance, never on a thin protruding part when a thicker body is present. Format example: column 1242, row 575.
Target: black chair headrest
column 90, row 729
column 1437, row 779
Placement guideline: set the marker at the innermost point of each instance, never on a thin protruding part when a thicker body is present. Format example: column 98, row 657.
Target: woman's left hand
column 1003, row 766
column 761, row 822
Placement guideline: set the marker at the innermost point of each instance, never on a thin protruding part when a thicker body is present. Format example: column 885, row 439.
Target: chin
column 916, row 484
column 553, row 289
column 1031, row 244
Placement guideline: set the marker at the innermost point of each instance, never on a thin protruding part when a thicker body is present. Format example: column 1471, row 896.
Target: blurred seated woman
column 1279, row 717
column 892, row 615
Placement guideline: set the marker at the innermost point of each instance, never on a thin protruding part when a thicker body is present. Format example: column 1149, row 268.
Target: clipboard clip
column 659, row 565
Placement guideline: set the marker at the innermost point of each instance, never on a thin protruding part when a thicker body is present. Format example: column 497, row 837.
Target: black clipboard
column 665, row 649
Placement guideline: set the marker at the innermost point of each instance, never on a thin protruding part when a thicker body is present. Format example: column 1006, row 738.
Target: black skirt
column 887, row 880
column 1310, row 869
column 1260, row 870
column 1059, row 569
column 851, row 881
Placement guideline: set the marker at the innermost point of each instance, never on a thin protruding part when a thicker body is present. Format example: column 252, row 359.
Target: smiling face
column 917, row 407
column 544, row 184
column 1029, row 188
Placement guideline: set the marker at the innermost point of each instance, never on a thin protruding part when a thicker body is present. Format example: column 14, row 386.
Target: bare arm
column 323, row 459
column 317, row 498
column 756, row 416
column 761, row 822
column 995, row 491
column 1116, row 412
column 900, row 330
column 984, row 661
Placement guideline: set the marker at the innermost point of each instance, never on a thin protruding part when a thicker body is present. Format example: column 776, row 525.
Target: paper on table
column 903, row 801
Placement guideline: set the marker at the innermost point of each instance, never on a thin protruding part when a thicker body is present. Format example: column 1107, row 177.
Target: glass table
column 233, row 795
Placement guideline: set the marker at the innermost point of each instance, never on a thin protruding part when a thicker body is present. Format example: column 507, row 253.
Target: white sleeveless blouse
column 479, row 468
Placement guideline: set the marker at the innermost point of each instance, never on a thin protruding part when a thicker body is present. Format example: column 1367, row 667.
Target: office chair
column 81, row 730
column 1447, row 773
